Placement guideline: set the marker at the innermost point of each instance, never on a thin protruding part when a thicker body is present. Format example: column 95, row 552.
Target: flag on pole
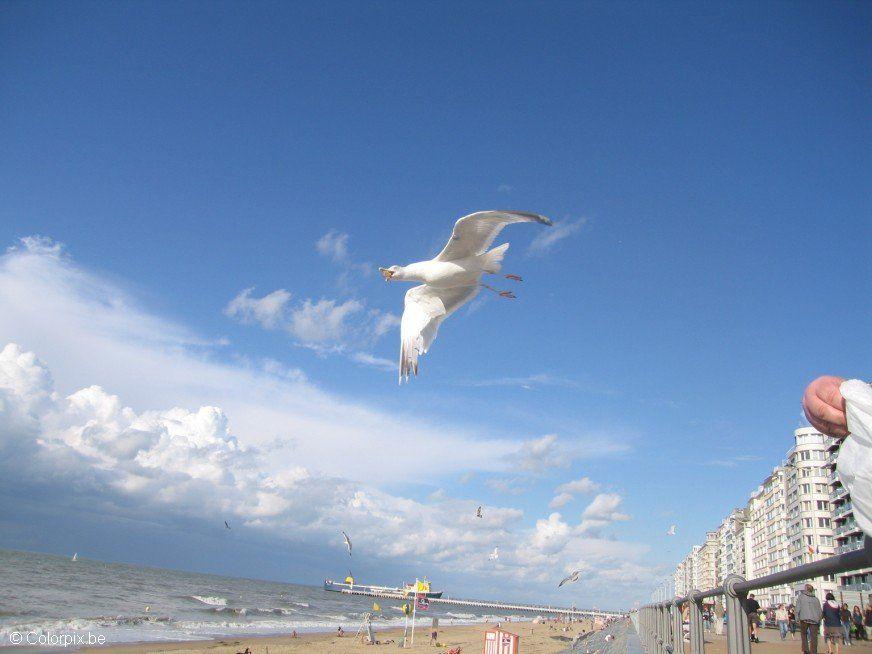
column 423, row 603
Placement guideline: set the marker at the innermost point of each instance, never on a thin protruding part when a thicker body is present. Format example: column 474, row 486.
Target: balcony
column 849, row 547
column 831, row 459
column 857, row 586
column 847, row 527
column 838, row 493
column 842, row 509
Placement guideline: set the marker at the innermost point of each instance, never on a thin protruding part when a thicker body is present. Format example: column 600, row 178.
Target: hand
column 825, row 407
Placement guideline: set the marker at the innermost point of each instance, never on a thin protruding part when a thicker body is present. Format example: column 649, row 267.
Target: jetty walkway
column 488, row 604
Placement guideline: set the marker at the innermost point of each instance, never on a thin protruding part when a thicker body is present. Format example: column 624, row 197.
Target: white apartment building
column 809, row 511
column 708, row 555
column 731, row 545
column 847, row 535
column 799, row 514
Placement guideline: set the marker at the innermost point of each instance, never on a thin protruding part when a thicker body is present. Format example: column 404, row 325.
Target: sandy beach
column 535, row 639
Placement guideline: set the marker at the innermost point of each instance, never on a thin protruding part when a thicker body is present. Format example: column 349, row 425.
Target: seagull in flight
column 671, row 531
column 478, row 513
column 347, row 542
column 571, row 578
column 451, row 279
column 493, row 556
column 226, row 525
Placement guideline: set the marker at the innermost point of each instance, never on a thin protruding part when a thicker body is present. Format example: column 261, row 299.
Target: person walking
column 752, row 609
column 845, row 617
column 719, row 618
column 867, row 621
column 781, row 618
column 832, row 623
column 791, row 621
column 857, row 619
column 808, row 614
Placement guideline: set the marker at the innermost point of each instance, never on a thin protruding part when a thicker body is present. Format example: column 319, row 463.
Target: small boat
column 421, row 588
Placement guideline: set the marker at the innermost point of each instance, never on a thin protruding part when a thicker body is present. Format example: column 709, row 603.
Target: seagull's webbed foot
column 505, row 294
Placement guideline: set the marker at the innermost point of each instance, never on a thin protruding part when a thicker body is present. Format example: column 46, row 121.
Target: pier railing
column 660, row 624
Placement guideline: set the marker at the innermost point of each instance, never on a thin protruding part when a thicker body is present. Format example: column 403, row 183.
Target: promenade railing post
column 677, row 628
column 697, row 638
column 665, row 618
column 738, row 641
column 661, row 632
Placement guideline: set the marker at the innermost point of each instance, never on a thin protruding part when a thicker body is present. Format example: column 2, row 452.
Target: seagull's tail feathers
column 491, row 261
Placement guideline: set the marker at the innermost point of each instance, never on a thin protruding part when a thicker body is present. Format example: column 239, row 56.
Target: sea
column 51, row 596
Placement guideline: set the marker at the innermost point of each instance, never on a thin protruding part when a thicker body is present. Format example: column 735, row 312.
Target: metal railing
column 660, row 625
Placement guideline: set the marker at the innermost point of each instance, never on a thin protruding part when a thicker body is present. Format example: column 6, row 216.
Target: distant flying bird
column 493, row 556
column 478, row 513
column 347, row 542
column 226, row 525
column 451, row 279
column 75, row 556
column 572, row 578
column 671, row 531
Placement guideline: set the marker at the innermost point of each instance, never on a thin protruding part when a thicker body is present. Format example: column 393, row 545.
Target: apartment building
column 798, row 514
column 846, row 533
column 809, row 508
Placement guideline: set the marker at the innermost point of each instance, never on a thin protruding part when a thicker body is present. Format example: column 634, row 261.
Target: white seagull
column 493, row 556
column 478, row 513
column 347, row 542
column 451, row 279
column 571, row 578
column 671, row 531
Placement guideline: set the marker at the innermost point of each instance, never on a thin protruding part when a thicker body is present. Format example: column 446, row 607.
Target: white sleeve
column 854, row 464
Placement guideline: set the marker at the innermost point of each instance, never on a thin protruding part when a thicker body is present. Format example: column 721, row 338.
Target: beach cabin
column 497, row 641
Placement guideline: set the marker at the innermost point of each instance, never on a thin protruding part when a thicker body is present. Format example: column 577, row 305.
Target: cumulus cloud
column 323, row 325
column 268, row 310
column 579, row 486
column 546, row 239
column 333, row 245
column 561, row 499
column 539, row 454
column 601, row 512
column 128, row 411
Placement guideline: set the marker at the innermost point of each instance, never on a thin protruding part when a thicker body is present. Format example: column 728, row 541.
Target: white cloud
column 333, row 245
column 175, row 433
column 559, row 500
column 548, row 238
column 583, row 485
column 508, row 485
column 605, row 507
column 376, row 362
column 268, row 310
column 324, row 325
column 539, row 454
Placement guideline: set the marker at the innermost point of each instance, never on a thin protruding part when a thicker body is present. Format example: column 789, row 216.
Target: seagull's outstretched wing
column 426, row 308
column 473, row 234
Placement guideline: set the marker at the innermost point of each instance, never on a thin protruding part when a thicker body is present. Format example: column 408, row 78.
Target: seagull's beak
column 387, row 274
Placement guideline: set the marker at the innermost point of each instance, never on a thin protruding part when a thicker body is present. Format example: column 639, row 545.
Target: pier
column 488, row 604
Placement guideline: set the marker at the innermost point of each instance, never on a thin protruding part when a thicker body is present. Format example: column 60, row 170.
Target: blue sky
column 707, row 168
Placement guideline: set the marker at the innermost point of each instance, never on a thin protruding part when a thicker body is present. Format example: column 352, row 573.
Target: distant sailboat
column 75, row 556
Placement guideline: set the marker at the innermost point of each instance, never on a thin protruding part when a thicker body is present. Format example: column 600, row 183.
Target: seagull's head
column 394, row 272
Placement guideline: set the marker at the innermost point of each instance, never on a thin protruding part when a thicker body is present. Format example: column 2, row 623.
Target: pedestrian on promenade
column 791, row 621
column 752, row 609
column 719, row 618
column 808, row 614
column 845, row 617
column 857, row 618
column 781, row 618
column 832, row 623
column 867, row 621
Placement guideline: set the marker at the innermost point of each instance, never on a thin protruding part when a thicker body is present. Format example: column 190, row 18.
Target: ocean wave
column 211, row 601
column 244, row 610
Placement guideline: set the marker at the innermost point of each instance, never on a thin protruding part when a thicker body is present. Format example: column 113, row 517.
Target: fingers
column 825, row 407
